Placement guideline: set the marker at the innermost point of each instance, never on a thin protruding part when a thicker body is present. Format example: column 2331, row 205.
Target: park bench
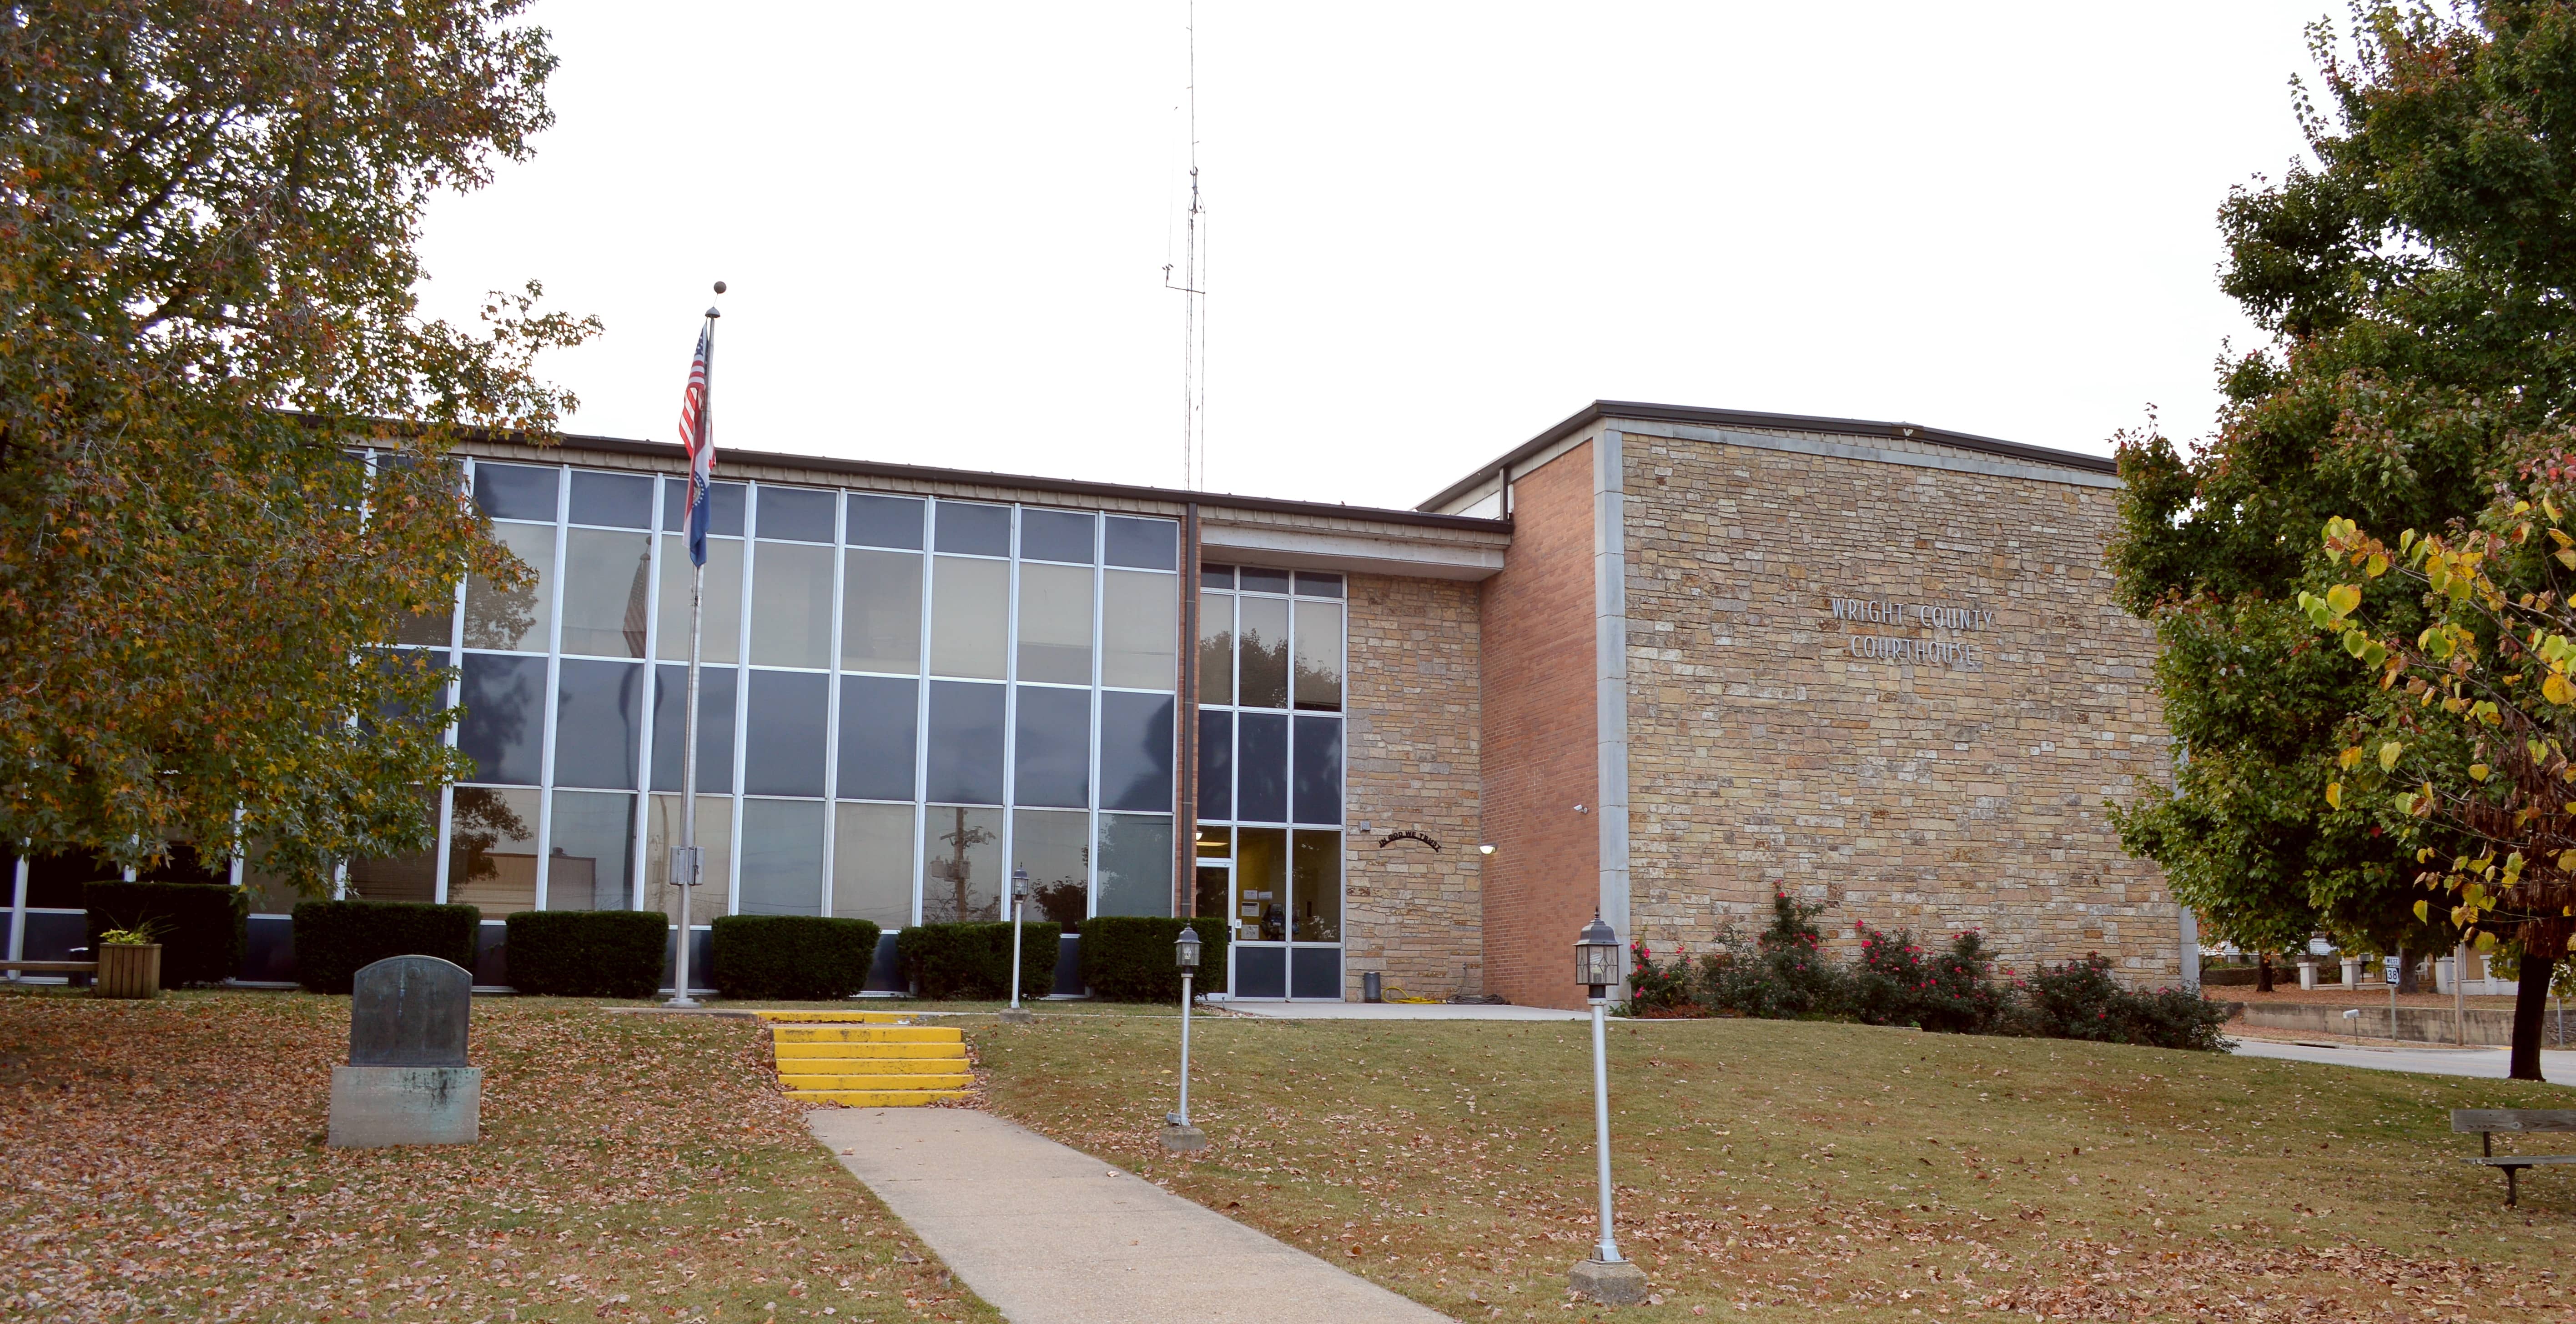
column 2513, row 1121
column 51, row 967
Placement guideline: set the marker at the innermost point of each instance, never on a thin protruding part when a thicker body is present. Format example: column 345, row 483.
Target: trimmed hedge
column 334, row 940
column 974, row 960
column 789, row 956
column 588, row 953
column 1128, row 958
column 204, row 926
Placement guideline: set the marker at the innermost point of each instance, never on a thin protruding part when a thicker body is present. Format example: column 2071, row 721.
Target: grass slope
column 165, row 1158
column 1881, row 1173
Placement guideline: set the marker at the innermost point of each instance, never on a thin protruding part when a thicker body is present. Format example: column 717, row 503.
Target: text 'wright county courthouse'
column 1660, row 659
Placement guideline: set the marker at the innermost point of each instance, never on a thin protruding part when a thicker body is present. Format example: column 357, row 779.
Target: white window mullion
column 554, row 682
column 832, row 701
column 1010, row 717
column 640, row 835
column 741, row 688
column 921, row 709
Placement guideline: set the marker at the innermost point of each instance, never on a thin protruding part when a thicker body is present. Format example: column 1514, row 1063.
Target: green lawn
column 1770, row 1166
column 165, row 1159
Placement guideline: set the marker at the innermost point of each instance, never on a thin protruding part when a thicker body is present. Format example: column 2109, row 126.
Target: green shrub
column 1128, row 958
column 2080, row 1000
column 974, row 960
column 203, row 927
column 334, row 940
column 1782, row 975
column 588, row 953
column 1896, row 982
column 789, row 956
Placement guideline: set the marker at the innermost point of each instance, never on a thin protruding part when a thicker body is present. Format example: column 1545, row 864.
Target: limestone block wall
column 1951, row 775
column 1413, row 914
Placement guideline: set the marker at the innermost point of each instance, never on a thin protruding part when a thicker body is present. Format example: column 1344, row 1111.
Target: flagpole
column 689, row 860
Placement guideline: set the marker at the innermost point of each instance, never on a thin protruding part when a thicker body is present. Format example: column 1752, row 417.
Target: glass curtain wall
column 901, row 698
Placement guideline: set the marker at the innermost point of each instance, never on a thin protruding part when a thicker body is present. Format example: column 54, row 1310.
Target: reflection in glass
column 1319, row 770
column 1319, row 656
column 515, row 491
column 622, row 501
column 1147, row 544
column 1315, row 872
column 723, row 613
column 881, row 612
column 514, row 619
column 492, row 850
column 872, row 864
column 1207, row 897
column 884, row 521
column 1055, row 847
column 1136, row 864
column 1055, row 535
column 1052, row 760
column 715, row 840
column 408, row 877
column 1140, row 625
column 1055, row 623
column 782, row 857
column 974, row 530
column 1312, row 585
column 599, row 723
column 724, row 512
column 878, row 719
column 969, row 616
column 961, row 862
column 965, row 743
column 1216, row 764
column 1216, row 648
column 1264, row 649
column 590, row 845
column 505, row 716
column 791, row 605
column 1261, row 767
column 608, row 592
column 1261, row 883
column 801, row 513
column 1254, row 579
column 1135, row 751
column 715, row 727
column 435, row 627
column 784, row 726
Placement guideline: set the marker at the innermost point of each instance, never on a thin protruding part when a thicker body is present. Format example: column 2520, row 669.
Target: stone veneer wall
column 1411, row 913
column 1909, row 793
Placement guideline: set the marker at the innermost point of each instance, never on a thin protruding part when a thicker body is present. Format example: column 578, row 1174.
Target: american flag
column 698, row 437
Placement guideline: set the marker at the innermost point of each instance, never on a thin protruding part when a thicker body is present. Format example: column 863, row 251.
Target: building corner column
column 1610, row 676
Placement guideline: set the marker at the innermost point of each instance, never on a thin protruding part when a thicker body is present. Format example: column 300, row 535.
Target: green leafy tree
column 2414, row 279
column 209, row 213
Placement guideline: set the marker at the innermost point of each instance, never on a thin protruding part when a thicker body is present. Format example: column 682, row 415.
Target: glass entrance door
column 1287, row 914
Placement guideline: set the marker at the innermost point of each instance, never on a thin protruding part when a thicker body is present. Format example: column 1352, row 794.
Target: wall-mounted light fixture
column 1581, row 810
column 1485, row 849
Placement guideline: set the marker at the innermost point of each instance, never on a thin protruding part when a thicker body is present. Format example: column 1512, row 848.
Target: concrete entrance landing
column 1400, row 1011
column 1050, row 1235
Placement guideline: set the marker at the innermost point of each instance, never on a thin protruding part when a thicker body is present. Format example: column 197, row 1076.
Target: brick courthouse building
column 1659, row 660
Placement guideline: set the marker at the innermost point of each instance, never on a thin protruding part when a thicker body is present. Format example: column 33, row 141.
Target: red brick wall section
column 1544, row 878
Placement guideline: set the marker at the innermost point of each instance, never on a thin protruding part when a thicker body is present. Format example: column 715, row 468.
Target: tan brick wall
column 1910, row 793
column 1411, row 913
column 1543, row 879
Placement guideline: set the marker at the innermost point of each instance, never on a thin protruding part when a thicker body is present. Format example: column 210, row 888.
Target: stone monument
column 407, row 1082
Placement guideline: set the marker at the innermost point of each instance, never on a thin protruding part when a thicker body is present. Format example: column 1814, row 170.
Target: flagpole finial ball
column 719, row 287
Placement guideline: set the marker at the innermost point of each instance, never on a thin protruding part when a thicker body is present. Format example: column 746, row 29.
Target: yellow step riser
column 867, row 1034
column 875, row 1098
column 801, row 1081
column 872, row 1066
column 951, row 1049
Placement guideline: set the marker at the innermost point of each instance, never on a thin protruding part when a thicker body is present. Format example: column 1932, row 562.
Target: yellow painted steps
column 867, row 1059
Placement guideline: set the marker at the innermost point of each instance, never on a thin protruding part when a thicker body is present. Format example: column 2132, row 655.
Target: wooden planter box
column 129, row 972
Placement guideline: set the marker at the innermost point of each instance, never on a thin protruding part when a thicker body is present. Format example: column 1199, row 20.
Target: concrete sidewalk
column 1050, row 1235
column 2432, row 1059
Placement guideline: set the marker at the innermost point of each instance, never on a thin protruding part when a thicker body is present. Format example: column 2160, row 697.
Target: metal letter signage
column 1922, row 615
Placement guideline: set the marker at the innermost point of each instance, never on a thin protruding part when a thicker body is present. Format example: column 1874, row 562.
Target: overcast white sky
column 1434, row 229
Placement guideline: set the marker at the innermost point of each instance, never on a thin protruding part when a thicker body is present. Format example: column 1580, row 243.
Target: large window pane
column 1312, row 585
column 974, row 530
column 791, row 605
column 1140, row 625
column 1147, row 544
column 504, row 726
column 783, row 740
column 492, row 850
column 715, row 840
column 1216, row 764
column 965, row 743
column 1055, row 624
column 1254, row 579
column 801, row 513
column 1261, row 883
column 715, row 727
column 969, row 616
column 435, row 627
column 723, row 610
column 407, row 877
column 1264, row 649
column 514, row 618
column 885, row 521
column 1261, row 767
column 1315, row 877
column 599, row 723
column 608, row 592
column 961, row 865
column 1135, row 864
column 1052, row 761
column 622, row 501
column 515, row 491
column 1319, row 656
column 878, row 719
column 1216, row 648
column 1319, row 770
column 724, row 509
column 881, row 612
column 872, row 864
column 782, row 857
column 1055, row 535
column 1135, row 751
column 1055, row 847
column 591, row 849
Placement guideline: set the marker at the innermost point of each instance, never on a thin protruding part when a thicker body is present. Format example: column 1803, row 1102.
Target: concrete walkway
column 2490, row 1063
column 1400, row 1011
column 1050, row 1235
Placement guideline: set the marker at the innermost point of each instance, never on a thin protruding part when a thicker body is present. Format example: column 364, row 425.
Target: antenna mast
column 1193, row 288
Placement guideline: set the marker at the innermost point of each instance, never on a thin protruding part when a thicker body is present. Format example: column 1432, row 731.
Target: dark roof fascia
column 678, row 459
column 1748, row 418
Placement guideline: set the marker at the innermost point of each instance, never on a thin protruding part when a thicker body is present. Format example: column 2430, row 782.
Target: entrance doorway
column 1282, row 905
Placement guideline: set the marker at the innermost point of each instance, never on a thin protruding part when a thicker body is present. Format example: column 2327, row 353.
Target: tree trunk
column 2263, row 972
column 2405, row 971
column 2530, row 1007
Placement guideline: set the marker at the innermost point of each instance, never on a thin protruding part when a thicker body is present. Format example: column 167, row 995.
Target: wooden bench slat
column 52, row 967
column 2522, row 1160
column 2513, row 1119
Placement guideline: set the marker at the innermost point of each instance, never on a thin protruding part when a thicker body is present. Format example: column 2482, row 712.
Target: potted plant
column 129, row 962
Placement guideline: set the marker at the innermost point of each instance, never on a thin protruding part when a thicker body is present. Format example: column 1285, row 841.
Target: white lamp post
column 1178, row 1135
column 1014, row 1014
column 1605, row 1277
